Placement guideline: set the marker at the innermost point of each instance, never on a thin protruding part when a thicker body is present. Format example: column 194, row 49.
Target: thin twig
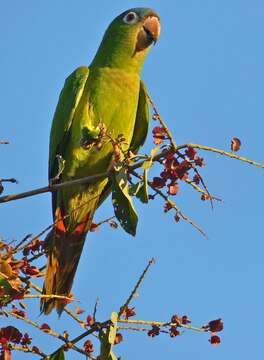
column 75, row 317
column 34, row 286
column 55, row 222
column 160, row 324
column 93, row 178
column 173, row 205
column 223, row 152
column 11, row 180
column 105, row 221
column 67, row 310
column 22, row 242
column 175, row 147
column 69, row 344
column 164, row 125
column 95, row 327
column 95, row 308
column 200, row 190
column 39, row 296
column 32, row 323
column 133, row 292
column 35, row 257
column 204, row 185
column 27, row 350
column 79, row 350
column 135, row 328
column 55, row 187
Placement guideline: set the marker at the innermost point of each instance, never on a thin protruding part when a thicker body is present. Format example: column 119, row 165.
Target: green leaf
column 134, row 189
column 5, row 284
column 122, row 202
column 143, row 192
column 58, row 355
column 147, row 164
column 8, row 290
column 107, row 339
column 113, row 328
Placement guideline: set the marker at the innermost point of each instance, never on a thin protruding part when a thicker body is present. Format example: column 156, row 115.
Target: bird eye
column 130, row 18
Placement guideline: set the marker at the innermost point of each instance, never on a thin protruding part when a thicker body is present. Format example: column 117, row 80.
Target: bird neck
column 119, row 54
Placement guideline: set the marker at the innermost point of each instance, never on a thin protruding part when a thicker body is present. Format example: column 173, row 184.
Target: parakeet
column 108, row 97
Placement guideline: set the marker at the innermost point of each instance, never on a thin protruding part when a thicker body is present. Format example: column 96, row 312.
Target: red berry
column 215, row 340
column 88, row 346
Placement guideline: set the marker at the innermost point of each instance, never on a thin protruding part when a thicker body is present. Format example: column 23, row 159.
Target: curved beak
column 149, row 33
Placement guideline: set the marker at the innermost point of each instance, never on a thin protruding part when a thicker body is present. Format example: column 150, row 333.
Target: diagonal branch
column 51, row 188
column 172, row 204
column 133, row 292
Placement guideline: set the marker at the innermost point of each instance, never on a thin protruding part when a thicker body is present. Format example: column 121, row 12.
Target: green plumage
column 110, row 94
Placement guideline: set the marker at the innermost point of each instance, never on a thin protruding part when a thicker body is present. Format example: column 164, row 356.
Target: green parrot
column 108, row 97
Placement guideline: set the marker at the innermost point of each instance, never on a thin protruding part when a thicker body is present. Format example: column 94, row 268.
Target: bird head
column 128, row 39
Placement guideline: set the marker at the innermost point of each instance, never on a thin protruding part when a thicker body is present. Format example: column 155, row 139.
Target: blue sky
column 206, row 77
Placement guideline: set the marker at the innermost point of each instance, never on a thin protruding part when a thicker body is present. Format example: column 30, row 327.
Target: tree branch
column 151, row 262
column 222, row 152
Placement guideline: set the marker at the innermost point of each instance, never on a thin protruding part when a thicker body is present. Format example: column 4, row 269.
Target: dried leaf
column 113, row 224
column 94, row 227
column 78, row 311
column 173, row 189
column 235, row 144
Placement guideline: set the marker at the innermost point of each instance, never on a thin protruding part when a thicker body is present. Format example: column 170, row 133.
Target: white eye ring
column 130, row 18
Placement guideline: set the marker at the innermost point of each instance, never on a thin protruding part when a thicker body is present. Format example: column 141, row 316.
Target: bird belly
column 110, row 99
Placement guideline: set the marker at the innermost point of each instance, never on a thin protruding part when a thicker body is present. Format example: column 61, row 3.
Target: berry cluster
column 13, row 269
column 214, row 327
column 33, row 247
column 176, row 166
column 9, row 336
column 177, row 322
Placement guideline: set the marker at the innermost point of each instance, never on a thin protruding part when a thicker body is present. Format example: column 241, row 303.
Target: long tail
column 64, row 253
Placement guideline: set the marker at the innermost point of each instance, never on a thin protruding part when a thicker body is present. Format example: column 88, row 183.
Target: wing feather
column 62, row 120
column 64, row 113
column 142, row 119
